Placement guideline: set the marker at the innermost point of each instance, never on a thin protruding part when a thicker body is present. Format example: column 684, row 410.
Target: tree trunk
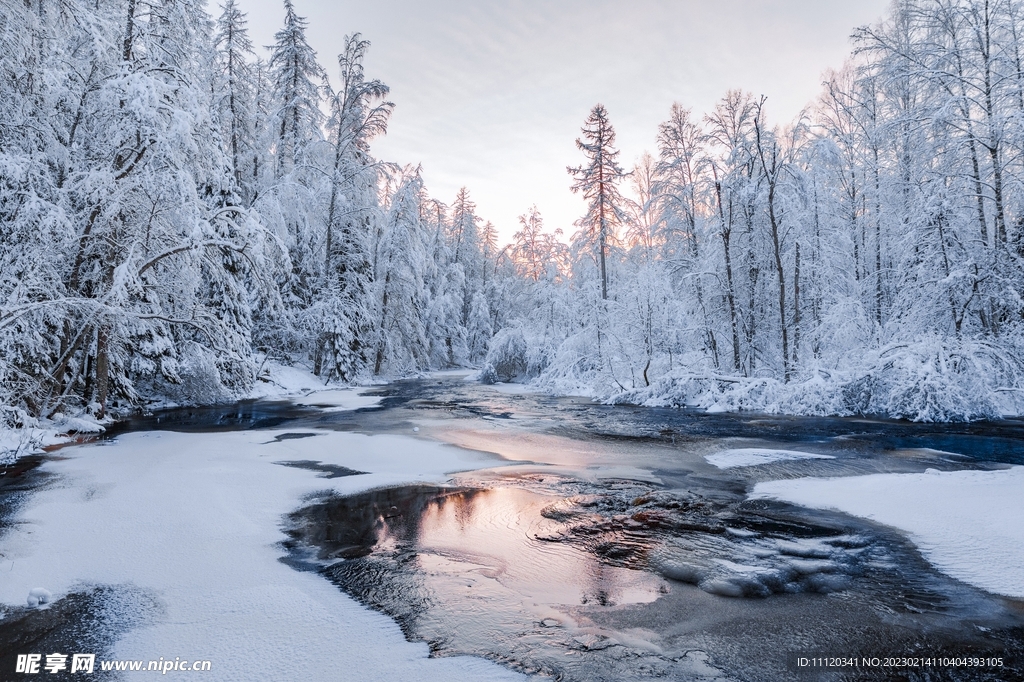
column 796, row 307
column 781, row 275
column 102, row 367
column 730, row 289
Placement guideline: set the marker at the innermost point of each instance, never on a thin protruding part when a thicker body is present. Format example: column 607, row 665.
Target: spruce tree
column 598, row 181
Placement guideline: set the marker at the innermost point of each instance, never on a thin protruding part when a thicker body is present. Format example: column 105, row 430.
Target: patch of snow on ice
column 748, row 457
column 515, row 388
column 339, row 399
column 968, row 524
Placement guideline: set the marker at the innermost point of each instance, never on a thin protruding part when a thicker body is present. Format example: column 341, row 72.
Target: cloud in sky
column 491, row 94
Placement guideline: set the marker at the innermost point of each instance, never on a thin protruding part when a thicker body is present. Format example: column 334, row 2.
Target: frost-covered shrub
column 18, row 434
column 936, row 380
column 508, row 354
column 16, row 418
column 574, row 366
column 488, row 375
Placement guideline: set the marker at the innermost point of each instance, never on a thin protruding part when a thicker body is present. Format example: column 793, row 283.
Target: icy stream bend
column 619, row 547
column 580, row 541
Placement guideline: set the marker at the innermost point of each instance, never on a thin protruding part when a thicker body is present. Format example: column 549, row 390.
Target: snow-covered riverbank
column 969, row 524
column 179, row 535
column 276, row 381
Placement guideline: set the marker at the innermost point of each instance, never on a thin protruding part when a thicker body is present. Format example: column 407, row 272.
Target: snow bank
column 928, row 380
column 195, row 519
column 21, row 434
column 933, row 379
column 17, row 442
column 305, row 388
column 281, row 381
column 748, row 457
column 277, row 380
column 969, row 524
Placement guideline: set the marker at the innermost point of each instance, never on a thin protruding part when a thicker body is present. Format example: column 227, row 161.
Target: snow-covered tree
column 401, row 343
column 236, row 89
column 598, row 181
column 358, row 114
column 296, row 76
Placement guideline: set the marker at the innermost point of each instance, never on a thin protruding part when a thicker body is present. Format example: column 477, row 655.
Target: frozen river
column 614, row 549
column 596, row 542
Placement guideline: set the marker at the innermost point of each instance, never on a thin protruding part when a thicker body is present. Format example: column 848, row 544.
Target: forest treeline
column 174, row 210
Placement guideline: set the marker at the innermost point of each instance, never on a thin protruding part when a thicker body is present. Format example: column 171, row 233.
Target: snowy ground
column 281, row 381
column 277, row 382
column 969, row 524
column 195, row 519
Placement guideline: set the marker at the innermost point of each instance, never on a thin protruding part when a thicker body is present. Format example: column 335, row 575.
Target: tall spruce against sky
column 598, row 181
column 236, row 96
column 296, row 76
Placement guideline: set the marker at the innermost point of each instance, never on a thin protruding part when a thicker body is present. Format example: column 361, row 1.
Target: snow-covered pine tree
column 296, row 76
column 235, row 92
column 598, row 181
column 291, row 200
column 444, row 284
column 401, row 344
column 36, row 230
column 467, row 254
column 358, row 114
column 479, row 330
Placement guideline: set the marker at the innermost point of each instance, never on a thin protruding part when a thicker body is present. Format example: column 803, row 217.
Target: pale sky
column 491, row 94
